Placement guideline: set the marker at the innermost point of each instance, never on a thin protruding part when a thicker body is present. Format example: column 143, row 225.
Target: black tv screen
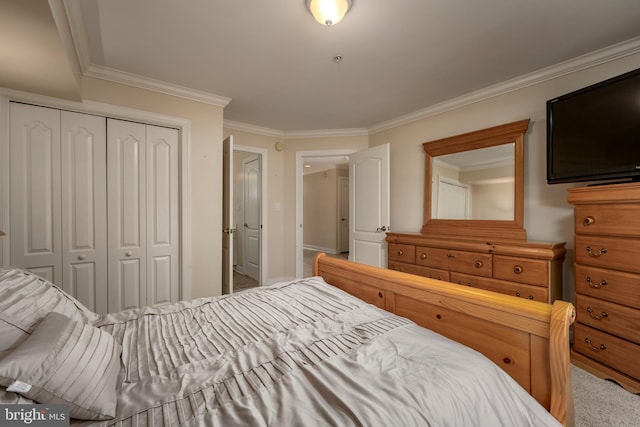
column 594, row 133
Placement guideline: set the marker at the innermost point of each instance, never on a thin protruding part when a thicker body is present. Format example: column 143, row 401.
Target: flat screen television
column 593, row 133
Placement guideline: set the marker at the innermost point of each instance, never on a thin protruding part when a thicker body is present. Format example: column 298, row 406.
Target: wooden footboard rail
column 528, row 339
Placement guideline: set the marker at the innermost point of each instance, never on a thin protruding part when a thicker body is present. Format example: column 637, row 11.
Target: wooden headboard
column 528, row 339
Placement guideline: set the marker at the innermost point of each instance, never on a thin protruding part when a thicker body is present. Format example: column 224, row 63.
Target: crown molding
column 110, row 74
column 303, row 134
column 598, row 57
column 81, row 47
column 65, row 32
column 80, row 42
column 258, row 130
column 326, row 133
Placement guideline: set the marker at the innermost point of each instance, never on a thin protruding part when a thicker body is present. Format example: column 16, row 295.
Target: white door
column 369, row 180
column 252, row 216
column 227, row 215
column 452, row 200
column 84, row 209
column 343, row 214
column 163, row 275
column 36, row 226
column 144, row 239
column 126, row 214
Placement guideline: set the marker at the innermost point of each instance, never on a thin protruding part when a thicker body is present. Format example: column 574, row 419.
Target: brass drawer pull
column 400, row 252
column 588, row 220
column 518, row 269
column 479, row 264
column 597, row 316
column 423, row 256
column 450, row 256
column 596, row 254
column 593, row 347
column 594, row 285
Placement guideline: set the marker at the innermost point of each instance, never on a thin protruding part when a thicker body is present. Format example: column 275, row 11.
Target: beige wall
column 320, row 208
column 205, row 173
column 548, row 216
column 492, row 201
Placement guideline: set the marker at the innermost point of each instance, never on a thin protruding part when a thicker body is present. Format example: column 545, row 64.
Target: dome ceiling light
column 328, row 12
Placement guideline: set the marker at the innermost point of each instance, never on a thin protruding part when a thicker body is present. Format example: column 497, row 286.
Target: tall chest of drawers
column 531, row 270
column 607, row 282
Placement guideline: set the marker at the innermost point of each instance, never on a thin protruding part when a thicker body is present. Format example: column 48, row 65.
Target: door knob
column 82, row 257
column 129, row 253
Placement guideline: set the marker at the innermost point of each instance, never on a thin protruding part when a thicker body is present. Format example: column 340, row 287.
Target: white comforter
column 293, row 354
column 303, row 354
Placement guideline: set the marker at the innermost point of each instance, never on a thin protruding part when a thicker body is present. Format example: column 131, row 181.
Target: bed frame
column 528, row 339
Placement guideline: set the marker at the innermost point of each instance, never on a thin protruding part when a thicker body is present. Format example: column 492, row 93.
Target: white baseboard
column 273, row 280
column 331, row 251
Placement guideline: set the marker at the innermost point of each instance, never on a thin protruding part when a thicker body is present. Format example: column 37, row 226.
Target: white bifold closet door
column 58, row 199
column 142, row 214
column 94, row 206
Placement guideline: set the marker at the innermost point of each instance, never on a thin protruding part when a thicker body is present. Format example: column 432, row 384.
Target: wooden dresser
column 524, row 269
column 607, row 282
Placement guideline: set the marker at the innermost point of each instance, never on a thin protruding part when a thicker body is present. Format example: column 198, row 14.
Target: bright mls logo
column 34, row 415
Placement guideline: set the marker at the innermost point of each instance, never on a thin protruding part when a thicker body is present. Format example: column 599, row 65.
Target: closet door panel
column 84, row 182
column 126, row 186
column 162, row 215
column 35, row 190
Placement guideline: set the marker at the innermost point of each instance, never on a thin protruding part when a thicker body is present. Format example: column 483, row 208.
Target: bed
column 297, row 353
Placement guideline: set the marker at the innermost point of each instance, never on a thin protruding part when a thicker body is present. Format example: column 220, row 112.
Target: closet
column 94, row 205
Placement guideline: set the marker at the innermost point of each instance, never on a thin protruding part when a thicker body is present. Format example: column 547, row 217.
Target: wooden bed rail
column 527, row 339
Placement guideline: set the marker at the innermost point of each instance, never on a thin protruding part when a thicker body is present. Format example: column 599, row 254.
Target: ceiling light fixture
column 328, row 12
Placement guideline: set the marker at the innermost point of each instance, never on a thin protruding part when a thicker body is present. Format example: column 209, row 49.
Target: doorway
column 249, row 245
column 320, row 162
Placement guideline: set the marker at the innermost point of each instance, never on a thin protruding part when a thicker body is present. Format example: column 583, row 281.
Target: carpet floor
column 600, row 403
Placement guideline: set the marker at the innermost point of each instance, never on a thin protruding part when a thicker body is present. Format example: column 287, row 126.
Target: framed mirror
column 474, row 184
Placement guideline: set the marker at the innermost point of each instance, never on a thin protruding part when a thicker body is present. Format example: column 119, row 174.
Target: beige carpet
column 308, row 257
column 600, row 403
column 242, row 282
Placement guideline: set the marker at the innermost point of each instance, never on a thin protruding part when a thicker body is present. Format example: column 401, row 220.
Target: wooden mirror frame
column 470, row 228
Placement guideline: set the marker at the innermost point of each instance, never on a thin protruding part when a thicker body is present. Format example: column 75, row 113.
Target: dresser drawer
column 432, row 273
column 462, row 261
column 536, row 293
column 402, row 253
column 611, row 219
column 523, row 270
column 609, row 317
column 610, row 252
column 617, row 353
column 610, row 285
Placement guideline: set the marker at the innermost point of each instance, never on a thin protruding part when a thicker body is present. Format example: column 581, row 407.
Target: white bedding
column 301, row 354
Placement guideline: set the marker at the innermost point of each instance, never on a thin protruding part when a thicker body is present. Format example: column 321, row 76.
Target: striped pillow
column 68, row 362
column 25, row 299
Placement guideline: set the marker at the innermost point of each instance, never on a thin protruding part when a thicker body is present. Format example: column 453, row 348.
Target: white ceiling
column 276, row 64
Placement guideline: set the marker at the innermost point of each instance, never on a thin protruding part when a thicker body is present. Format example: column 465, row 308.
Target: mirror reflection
column 476, row 184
